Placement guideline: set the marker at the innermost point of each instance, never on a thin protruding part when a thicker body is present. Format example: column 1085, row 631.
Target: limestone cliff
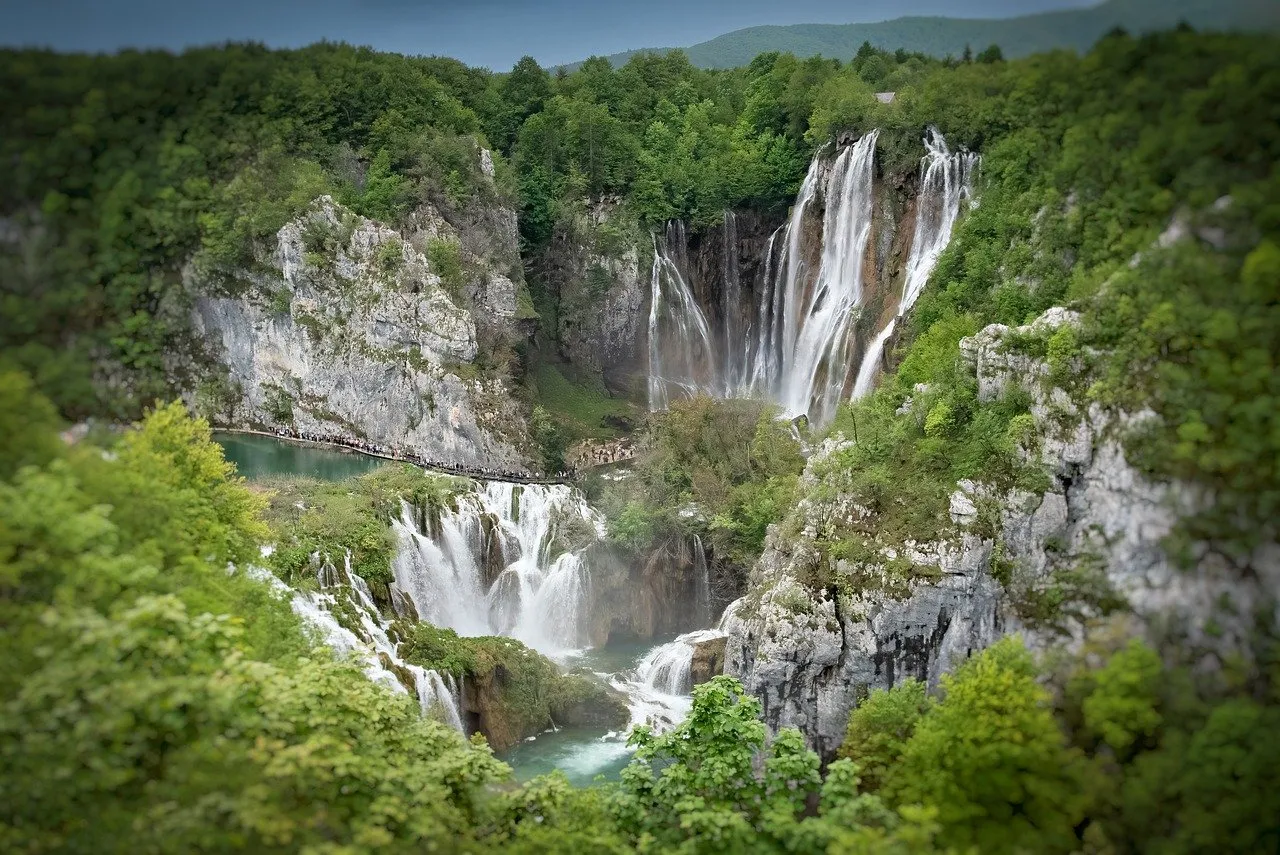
column 354, row 331
column 597, row 269
column 1049, row 565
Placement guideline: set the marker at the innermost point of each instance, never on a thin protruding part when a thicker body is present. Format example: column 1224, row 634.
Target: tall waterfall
column 797, row 346
column 495, row 566
column 803, row 348
column 946, row 182
column 682, row 355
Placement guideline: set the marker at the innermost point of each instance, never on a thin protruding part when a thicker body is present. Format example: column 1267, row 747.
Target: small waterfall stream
column 946, row 182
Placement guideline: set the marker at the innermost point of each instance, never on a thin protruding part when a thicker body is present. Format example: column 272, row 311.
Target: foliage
column 337, row 518
column 697, row 786
column 132, row 639
column 879, row 728
column 28, row 424
column 523, row 692
column 579, row 410
column 209, row 722
column 1121, row 709
column 550, row 439
column 731, row 462
column 991, row 758
column 444, row 258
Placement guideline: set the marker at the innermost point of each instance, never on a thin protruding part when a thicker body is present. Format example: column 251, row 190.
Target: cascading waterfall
column 437, row 694
column 946, row 182
column 682, row 355
column 538, row 594
column 666, row 668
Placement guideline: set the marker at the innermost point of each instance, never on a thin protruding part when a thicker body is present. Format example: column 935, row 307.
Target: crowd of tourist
column 396, row 452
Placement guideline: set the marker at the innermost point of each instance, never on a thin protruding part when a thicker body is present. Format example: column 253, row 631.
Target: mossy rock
column 583, row 700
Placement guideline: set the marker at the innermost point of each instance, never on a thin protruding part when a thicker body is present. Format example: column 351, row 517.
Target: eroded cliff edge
column 356, row 332
column 821, row 628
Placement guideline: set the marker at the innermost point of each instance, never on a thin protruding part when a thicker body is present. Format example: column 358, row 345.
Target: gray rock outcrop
column 1049, row 565
column 352, row 334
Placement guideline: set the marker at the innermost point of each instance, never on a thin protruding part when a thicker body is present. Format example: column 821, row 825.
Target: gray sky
column 492, row 33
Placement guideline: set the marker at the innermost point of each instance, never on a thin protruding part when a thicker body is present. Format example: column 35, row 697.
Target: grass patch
column 582, row 410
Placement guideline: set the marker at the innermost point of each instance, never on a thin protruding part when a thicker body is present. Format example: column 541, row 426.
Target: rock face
column 597, row 264
column 708, row 660
column 1048, row 565
column 509, row 707
column 644, row 597
column 354, row 334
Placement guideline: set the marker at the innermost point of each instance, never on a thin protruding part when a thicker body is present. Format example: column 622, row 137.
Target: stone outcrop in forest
column 354, row 331
column 820, row 630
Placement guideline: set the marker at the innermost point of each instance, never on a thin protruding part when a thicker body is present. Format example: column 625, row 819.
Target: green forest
column 156, row 696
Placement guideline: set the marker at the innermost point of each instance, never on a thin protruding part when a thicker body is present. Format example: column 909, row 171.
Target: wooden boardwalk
column 480, row 472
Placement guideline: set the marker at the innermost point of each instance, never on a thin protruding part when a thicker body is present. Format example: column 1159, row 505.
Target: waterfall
column 871, row 362
column 736, row 365
column 801, row 348
column 539, row 592
column 437, row 694
column 666, row 668
column 765, row 356
column 946, row 181
column 820, row 317
column 702, row 583
column 798, row 348
column 681, row 352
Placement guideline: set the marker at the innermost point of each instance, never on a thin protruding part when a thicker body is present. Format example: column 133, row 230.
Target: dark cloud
column 480, row 32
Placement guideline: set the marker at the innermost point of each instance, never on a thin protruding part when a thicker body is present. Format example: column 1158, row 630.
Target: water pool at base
column 584, row 753
column 267, row 456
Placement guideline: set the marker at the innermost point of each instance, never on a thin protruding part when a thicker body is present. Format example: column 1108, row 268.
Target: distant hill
column 938, row 36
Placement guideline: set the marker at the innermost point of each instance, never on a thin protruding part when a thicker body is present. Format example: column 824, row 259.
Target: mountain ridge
column 943, row 36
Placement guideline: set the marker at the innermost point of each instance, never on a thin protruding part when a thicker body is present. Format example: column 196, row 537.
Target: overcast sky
column 493, row 33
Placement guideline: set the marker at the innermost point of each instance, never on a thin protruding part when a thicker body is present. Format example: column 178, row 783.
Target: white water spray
column 495, row 567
